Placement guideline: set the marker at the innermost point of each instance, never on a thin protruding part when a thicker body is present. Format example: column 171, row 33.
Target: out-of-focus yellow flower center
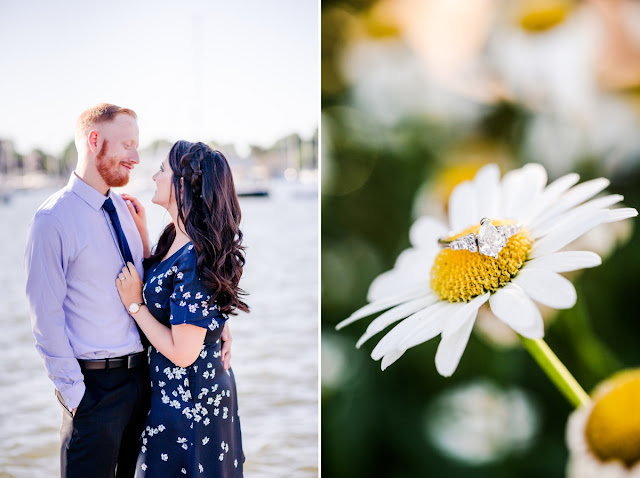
column 459, row 276
column 613, row 428
column 541, row 15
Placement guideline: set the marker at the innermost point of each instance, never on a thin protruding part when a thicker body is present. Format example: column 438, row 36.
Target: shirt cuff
column 73, row 395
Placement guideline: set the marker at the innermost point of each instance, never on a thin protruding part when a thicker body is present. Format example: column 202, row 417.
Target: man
column 78, row 242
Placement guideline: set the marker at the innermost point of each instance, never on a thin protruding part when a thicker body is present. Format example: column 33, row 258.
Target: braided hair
column 209, row 209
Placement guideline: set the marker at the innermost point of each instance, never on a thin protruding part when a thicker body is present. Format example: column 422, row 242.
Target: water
column 275, row 347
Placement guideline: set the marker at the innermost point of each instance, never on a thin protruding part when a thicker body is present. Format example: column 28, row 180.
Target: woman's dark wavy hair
column 209, row 209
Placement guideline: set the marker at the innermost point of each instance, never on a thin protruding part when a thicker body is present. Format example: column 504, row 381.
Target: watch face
column 133, row 308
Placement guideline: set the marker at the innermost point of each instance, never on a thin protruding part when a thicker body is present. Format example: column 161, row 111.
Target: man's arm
column 45, row 263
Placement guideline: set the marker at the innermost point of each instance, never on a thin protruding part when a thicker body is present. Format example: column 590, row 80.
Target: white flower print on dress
column 186, row 395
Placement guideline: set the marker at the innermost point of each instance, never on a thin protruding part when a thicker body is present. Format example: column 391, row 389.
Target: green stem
column 556, row 371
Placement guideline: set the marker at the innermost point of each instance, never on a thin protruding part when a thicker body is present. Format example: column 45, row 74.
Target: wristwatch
column 134, row 308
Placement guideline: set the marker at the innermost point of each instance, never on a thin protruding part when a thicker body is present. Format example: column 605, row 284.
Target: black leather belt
column 129, row 361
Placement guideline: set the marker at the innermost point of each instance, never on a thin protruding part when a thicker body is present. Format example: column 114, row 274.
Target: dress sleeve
column 191, row 300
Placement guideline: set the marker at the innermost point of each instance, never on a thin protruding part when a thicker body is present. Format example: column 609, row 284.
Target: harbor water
column 274, row 352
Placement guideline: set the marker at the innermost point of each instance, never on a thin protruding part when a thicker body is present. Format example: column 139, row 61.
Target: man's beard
column 109, row 168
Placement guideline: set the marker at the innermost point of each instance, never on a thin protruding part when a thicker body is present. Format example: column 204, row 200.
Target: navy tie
column 124, row 248
column 122, row 240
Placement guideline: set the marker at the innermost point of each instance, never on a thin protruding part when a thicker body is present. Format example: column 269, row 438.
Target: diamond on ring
column 121, row 278
column 489, row 241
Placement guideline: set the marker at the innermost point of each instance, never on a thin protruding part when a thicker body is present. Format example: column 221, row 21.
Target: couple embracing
column 99, row 294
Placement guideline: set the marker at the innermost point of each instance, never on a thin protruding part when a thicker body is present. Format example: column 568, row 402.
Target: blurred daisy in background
column 604, row 436
column 434, row 291
column 479, row 423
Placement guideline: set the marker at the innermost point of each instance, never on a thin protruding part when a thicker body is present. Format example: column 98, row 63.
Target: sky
column 243, row 72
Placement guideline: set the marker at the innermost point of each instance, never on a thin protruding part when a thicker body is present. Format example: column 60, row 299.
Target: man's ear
column 93, row 139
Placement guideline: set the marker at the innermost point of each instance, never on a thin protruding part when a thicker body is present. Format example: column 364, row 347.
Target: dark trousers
column 102, row 439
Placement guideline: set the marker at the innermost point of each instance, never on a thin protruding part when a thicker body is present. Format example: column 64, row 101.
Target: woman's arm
column 140, row 218
column 181, row 343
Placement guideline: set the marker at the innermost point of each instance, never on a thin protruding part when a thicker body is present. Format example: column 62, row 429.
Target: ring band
column 489, row 241
column 121, row 278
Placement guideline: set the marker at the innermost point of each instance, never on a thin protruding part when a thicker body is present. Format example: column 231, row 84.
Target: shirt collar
column 90, row 195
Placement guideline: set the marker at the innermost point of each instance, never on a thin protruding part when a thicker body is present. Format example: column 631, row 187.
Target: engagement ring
column 121, row 278
column 489, row 241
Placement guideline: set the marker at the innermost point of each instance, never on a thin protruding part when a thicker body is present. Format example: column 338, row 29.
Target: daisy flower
column 604, row 436
column 510, row 261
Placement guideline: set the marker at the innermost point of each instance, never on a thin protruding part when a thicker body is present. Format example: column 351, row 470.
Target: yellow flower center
column 613, row 428
column 459, row 276
column 541, row 15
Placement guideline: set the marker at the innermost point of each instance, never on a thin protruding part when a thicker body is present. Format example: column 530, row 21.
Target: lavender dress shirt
column 72, row 261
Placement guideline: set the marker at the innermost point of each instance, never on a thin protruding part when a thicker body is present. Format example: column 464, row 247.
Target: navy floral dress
column 193, row 427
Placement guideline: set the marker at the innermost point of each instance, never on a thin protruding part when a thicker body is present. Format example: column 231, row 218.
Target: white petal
column 548, row 196
column 431, row 316
column 382, row 304
column 487, row 186
column 521, row 188
column 621, row 214
column 548, row 288
column 410, row 270
column 573, row 197
column 391, row 357
column 604, row 201
column 452, row 346
column 565, row 261
column 511, row 305
column 543, row 228
column 567, row 232
column 426, row 231
column 463, row 207
column 397, row 313
column 454, row 320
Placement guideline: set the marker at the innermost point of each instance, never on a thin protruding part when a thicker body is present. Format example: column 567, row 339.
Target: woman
column 190, row 289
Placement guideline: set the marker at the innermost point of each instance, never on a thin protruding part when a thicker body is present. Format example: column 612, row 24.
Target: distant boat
column 254, row 193
column 252, row 187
